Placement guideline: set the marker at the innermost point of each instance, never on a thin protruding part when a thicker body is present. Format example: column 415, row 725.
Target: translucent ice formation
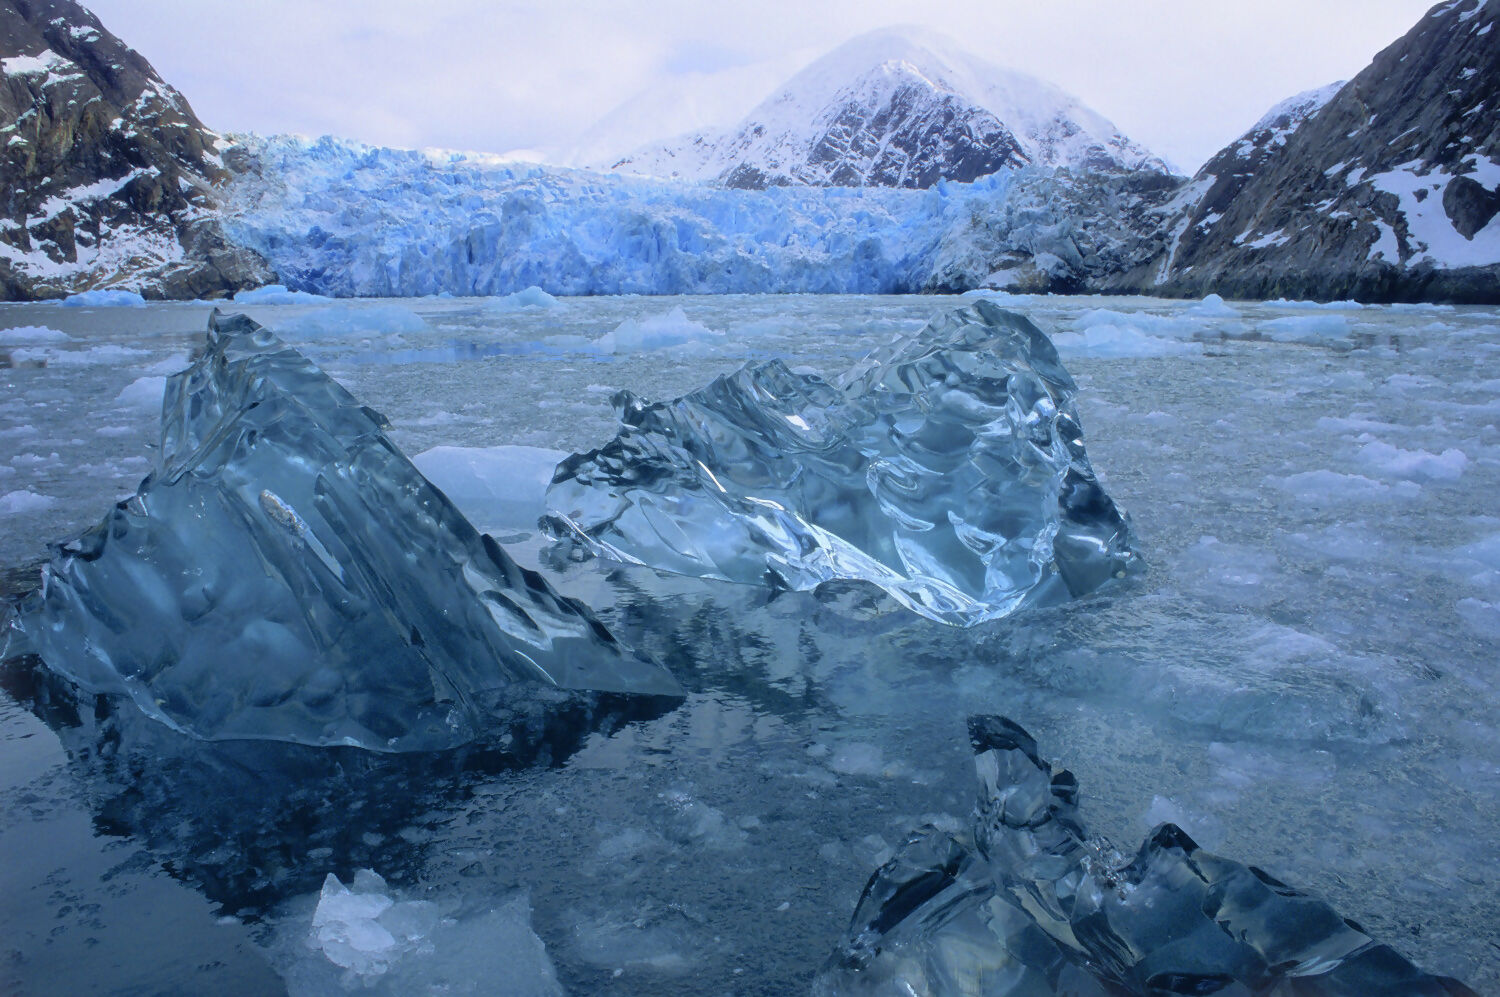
column 384, row 945
column 947, row 468
column 1031, row 904
column 286, row 573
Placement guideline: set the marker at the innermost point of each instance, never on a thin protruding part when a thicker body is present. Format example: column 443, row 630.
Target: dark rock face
column 1386, row 193
column 1060, row 232
column 106, row 173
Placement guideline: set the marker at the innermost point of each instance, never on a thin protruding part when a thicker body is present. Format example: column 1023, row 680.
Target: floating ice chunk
column 530, row 297
column 24, row 500
column 1213, row 306
column 1336, row 306
column 947, row 468
column 494, row 487
column 1031, row 903
column 1121, row 341
column 347, row 928
column 277, row 294
column 106, row 353
column 285, row 573
column 385, row 945
column 1414, row 465
column 348, row 320
column 33, row 334
column 1332, row 488
column 1105, row 333
column 143, row 392
column 104, row 299
column 670, row 330
column 1306, row 328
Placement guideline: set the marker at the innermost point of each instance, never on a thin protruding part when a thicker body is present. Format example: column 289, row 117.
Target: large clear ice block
column 947, row 468
column 286, row 573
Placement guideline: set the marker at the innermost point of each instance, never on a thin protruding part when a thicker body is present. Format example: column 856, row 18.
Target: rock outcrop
column 1388, row 191
column 106, row 174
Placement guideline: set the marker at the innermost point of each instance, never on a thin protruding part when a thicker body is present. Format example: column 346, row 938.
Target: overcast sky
column 1183, row 77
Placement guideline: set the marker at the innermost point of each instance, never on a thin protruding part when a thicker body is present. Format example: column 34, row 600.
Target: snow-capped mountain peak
column 899, row 107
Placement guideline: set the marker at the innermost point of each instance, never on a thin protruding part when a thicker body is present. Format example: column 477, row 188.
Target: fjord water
column 1302, row 677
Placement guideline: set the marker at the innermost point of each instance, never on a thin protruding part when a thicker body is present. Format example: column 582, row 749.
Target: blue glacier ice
column 285, row 573
column 947, row 468
column 344, row 219
column 1029, row 902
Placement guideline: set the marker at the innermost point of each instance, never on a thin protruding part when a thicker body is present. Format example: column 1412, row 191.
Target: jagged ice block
column 1031, row 904
column 286, row 573
column 948, row 468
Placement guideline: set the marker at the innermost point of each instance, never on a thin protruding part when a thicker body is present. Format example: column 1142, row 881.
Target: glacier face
column 345, row 219
column 285, row 573
column 947, row 468
column 1031, row 903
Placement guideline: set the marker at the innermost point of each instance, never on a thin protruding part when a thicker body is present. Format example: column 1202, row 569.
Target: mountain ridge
column 897, row 107
column 106, row 172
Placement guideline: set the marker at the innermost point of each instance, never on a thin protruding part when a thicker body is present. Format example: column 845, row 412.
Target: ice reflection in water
column 1301, row 680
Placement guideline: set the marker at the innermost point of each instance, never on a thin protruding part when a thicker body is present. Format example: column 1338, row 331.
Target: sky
column 1182, row 77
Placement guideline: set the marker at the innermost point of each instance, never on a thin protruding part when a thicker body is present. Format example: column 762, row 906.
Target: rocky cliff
column 105, row 173
column 1388, row 190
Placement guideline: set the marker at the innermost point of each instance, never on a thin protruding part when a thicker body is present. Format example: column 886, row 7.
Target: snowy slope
column 898, row 107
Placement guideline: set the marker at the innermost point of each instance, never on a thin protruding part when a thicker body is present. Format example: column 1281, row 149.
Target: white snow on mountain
column 1283, row 119
column 871, row 88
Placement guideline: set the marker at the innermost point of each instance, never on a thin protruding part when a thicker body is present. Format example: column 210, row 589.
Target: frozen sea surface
column 1303, row 677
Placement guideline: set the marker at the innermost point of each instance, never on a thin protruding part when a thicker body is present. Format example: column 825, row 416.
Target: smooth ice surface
column 947, row 468
column 285, row 573
column 1302, row 682
column 1031, row 903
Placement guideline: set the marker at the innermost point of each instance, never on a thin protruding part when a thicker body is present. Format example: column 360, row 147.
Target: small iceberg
column 286, row 573
column 947, row 468
column 1031, row 903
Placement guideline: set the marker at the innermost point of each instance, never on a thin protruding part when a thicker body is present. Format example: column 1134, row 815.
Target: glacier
column 285, row 573
column 340, row 218
column 947, row 468
column 1030, row 902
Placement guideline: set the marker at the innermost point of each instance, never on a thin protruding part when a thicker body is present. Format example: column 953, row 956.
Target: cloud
column 1182, row 76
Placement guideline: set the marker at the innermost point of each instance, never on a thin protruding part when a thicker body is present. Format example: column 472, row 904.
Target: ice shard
column 285, row 573
column 1031, row 904
column 948, row 468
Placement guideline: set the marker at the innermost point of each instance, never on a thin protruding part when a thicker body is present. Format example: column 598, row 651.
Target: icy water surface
column 1303, row 678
